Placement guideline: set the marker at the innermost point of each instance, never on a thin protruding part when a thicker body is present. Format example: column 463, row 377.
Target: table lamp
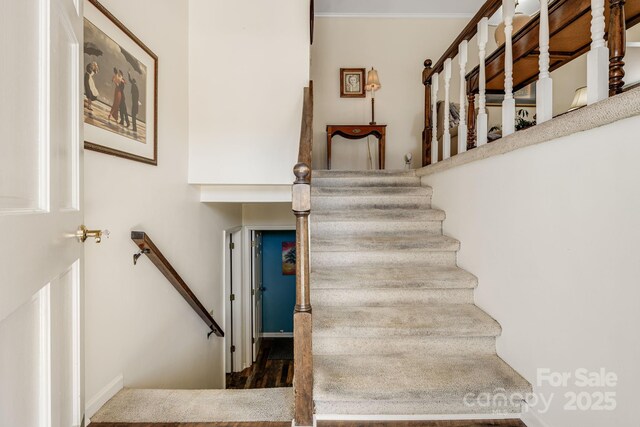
column 373, row 84
column 579, row 99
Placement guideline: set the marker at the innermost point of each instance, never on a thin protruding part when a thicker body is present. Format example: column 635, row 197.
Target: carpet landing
column 193, row 406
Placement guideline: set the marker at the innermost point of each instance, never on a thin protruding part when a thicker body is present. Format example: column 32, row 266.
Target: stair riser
column 405, row 181
column 370, row 202
column 426, row 406
column 413, row 259
column 403, row 345
column 345, row 244
column 371, row 228
column 390, row 297
column 370, row 191
column 348, row 283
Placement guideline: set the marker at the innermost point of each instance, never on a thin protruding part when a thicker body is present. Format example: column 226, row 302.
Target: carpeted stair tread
column 380, row 297
column 410, row 320
column 385, row 178
column 197, row 406
column 371, row 191
column 402, row 346
column 391, row 277
column 324, row 173
column 370, row 201
column 420, row 384
column 418, row 242
column 379, row 215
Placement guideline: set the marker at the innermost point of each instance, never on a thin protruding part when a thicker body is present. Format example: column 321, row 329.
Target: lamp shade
column 519, row 20
column 579, row 99
column 373, row 81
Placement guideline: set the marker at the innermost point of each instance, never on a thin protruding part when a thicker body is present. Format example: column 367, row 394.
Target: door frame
column 232, row 326
column 247, row 302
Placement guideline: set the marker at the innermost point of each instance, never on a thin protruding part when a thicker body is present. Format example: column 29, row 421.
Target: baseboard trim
column 276, row 334
column 423, row 417
column 103, row 396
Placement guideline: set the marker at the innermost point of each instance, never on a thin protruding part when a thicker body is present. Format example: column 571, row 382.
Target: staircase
column 395, row 329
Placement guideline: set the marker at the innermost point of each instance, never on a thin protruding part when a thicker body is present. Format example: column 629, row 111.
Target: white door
column 256, row 283
column 41, row 378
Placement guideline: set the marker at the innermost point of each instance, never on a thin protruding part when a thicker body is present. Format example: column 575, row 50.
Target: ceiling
column 435, row 8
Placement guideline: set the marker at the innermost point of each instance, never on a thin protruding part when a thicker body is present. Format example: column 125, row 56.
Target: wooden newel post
column 302, row 355
column 617, row 45
column 426, row 133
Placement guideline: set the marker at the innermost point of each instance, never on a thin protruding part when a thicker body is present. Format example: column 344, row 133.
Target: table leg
column 329, row 150
column 381, row 151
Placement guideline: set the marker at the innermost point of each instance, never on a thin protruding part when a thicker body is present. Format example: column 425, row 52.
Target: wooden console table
column 358, row 132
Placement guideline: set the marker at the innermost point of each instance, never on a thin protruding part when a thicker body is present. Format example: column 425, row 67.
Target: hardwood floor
column 265, row 373
column 239, row 424
column 469, row 423
column 478, row 423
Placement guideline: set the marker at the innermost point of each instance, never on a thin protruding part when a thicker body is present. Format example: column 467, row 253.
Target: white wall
column 248, row 65
column 271, row 214
column 136, row 323
column 397, row 48
column 552, row 233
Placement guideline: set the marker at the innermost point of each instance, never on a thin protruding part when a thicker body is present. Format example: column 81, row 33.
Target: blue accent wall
column 279, row 296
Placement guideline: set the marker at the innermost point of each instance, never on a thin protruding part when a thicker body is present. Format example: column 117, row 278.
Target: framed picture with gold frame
column 120, row 89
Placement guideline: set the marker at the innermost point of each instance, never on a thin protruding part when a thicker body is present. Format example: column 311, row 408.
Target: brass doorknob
column 84, row 233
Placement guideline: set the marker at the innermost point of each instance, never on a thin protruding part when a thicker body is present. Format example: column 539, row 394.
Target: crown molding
column 394, row 15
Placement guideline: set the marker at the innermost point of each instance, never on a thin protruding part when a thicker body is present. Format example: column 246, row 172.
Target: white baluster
column 598, row 56
column 446, row 137
column 482, row 126
column 544, row 85
column 509, row 104
column 462, row 125
column 434, row 103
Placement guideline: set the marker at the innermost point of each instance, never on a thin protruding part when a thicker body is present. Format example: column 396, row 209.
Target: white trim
column 245, row 193
column 416, row 417
column 103, row 396
column 382, row 15
column 531, row 417
column 236, row 322
column 247, row 325
column 276, row 334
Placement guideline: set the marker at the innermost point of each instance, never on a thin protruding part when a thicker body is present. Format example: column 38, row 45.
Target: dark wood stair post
column 302, row 325
column 428, row 126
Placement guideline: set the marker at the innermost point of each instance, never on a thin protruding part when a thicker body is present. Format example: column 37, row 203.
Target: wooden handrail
column 148, row 248
column 306, row 130
column 568, row 32
column 486, row 11
column 301, row 206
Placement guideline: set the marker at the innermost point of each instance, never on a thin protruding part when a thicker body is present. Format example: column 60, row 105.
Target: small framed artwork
column 289, row 258
column 525, row 97
column 120, row 89
column 352, row 82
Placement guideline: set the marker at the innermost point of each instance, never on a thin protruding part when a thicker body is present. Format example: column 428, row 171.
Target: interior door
column 41, row 376
column 256, row 284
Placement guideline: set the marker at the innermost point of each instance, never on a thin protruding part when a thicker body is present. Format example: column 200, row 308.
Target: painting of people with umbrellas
column 120, row 80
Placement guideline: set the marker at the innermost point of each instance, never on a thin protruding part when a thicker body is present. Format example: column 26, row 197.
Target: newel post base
column 303, row 369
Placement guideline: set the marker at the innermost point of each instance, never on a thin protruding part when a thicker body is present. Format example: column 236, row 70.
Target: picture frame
column 288, row 258
column 120, row 102
column 525, row 97
column 352, row 83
